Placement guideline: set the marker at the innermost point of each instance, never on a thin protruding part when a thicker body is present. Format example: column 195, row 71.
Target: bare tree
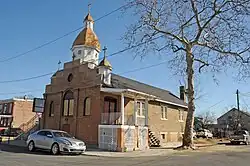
column 207, row 117
column 204, row 35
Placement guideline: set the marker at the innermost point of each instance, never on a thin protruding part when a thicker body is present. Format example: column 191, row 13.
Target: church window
column 51, row 109
column 79, row 52
column 96, row 55
column 68, row 104
column 87, row 106
column 70, row 77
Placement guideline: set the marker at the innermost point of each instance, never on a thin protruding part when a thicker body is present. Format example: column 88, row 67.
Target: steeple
column 105, row 69
column 86, row 46
column 104, row 61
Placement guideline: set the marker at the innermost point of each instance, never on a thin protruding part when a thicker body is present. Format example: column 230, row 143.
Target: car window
column 48, row 133
column 42, row 133
column 61, row 134
column 239, row 132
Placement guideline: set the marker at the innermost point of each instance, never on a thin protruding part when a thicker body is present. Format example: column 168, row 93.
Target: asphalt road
column 20, row 157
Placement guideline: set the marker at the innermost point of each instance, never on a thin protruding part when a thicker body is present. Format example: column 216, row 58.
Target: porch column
column 122, row 108
column 135, row 111
column 146, row 112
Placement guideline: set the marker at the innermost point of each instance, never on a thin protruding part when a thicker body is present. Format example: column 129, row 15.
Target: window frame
column 69, row 99
column 139, row 110
column 87, row 99
column 51, row 109
column 164, row 112
column 181, row 115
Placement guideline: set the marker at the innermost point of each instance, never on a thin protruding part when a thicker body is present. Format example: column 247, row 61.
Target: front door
column 66, row 127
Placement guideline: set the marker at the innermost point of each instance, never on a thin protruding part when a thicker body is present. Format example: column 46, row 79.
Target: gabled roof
column 123, row 82
column 235, row 109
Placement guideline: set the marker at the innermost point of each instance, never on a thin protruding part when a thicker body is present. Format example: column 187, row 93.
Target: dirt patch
column 206, row 141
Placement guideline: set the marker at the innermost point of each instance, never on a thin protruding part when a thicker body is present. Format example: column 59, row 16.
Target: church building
column 108, row 110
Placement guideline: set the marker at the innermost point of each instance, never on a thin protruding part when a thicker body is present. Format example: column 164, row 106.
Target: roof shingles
column 123, row 82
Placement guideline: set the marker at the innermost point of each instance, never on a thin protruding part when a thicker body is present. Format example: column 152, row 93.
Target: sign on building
column 38, row 105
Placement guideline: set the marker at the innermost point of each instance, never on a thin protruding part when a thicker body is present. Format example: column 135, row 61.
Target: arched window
column 51, row 109
column 87, row 106
column 68, row 104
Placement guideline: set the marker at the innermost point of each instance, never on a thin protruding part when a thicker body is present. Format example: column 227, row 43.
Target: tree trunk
column 188, row 134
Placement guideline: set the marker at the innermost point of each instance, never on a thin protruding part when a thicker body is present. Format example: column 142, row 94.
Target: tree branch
column 169, row 34
column 203, row 63
column 196, row 14
column 228, row 52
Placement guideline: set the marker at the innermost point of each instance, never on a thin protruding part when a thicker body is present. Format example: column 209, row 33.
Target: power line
column 67, row 34
column 14, row 93
column 142, row 68
column 26, row 79
column 113, row 54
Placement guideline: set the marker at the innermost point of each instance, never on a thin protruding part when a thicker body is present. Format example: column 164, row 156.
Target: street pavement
column 218, row 155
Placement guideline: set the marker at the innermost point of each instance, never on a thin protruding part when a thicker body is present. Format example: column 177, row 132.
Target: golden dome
column 87, row 38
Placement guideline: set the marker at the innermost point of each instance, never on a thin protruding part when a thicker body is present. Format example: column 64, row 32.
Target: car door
column 48, row 140
column 39, row 139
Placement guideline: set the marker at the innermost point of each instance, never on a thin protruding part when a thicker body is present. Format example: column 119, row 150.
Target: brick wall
column 169, row 130
column 22, row 112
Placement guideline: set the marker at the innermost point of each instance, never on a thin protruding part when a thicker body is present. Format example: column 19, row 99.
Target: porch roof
column 131, row 91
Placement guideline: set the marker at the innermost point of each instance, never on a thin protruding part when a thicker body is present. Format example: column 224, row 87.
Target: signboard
column 38, row 105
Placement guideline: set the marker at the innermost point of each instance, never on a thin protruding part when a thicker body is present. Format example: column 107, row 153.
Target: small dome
column 105, row 63
column 87, row 38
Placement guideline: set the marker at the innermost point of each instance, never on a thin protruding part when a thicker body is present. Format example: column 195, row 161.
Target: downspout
column 77, row 109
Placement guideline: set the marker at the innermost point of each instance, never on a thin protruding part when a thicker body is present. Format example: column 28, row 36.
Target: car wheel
column 55, row 149
column 31, row 146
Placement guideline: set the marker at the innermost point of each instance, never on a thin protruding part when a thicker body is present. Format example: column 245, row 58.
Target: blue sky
column 27, row 24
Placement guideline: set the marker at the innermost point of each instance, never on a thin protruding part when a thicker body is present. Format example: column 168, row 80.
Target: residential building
column 93, row 104
column 16, row 113
column 232, row 120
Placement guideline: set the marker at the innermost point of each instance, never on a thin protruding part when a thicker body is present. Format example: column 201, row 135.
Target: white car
column 204, row 133
column 55, row 141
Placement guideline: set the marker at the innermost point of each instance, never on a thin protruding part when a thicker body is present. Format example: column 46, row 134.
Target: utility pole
column 238, row 101
column 238, row 108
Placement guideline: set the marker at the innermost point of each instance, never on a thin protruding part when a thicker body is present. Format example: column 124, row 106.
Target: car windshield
column 239, row 132
column 61, row 134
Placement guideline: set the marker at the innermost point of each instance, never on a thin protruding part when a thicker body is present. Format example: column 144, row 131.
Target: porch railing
column 114, row 118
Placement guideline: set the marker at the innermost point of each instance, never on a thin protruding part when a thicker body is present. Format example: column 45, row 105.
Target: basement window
column 163, row 136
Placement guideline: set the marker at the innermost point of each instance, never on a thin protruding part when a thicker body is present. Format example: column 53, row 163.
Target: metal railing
column 111, row 118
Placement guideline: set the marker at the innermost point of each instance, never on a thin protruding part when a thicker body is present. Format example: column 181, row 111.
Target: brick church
column 113, row 112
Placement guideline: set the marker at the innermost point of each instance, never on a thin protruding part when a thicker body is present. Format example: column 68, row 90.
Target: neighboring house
column 16, row 112
column 90, row 102
column 232, row 120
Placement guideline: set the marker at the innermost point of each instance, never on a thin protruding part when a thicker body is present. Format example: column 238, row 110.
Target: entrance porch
column 124, row 128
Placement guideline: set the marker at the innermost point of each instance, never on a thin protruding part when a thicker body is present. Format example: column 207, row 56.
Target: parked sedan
column 55, row 141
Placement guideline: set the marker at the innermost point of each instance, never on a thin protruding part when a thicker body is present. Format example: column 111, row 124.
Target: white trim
column 6, row 116
column 116, row 126
column 164, row 119
column 116, row 90
column 168, row 102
